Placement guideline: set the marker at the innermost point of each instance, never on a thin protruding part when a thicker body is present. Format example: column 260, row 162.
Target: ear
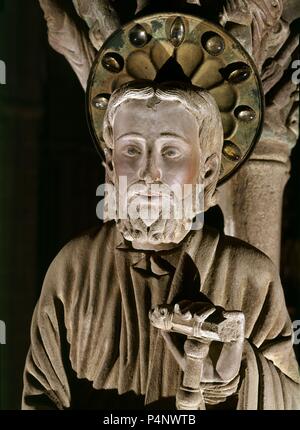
column 211, row 169
column 211, row 176
column 109, row 165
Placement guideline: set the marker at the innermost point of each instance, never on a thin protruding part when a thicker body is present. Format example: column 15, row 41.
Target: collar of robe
column 198, row 244
column 157, row 263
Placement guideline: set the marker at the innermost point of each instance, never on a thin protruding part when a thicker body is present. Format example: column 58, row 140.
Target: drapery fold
column 91, row 323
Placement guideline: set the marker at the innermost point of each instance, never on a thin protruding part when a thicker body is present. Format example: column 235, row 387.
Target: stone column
column 252, row 200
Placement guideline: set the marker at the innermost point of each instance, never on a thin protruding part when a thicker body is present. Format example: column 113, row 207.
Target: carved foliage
column 260, row 26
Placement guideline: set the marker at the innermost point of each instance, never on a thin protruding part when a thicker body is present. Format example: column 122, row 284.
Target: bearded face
column 154, row 213
column 158, row 171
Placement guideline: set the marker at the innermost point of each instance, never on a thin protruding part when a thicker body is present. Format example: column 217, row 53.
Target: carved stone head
column 168, row 135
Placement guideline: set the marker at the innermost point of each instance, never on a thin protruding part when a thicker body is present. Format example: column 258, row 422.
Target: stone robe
column 92, row 346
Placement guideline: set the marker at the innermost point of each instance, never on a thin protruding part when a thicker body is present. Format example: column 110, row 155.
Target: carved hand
column 210, row 356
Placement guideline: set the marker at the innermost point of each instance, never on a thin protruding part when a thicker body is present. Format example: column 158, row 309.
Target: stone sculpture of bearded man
column 218, row 336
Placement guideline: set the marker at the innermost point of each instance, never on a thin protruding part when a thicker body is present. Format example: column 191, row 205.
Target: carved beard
column 156, row 216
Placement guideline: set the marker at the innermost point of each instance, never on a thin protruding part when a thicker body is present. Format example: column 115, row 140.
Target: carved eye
column 132, row 151
column 171, row 153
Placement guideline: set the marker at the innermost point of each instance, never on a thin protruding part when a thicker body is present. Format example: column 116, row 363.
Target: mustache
column 155, row 189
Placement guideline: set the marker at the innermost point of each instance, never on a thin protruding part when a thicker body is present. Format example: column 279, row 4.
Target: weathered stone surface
column 230, row 273
column 252, row 201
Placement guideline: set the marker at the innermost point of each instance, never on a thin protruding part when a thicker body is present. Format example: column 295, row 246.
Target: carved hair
column 197, row 101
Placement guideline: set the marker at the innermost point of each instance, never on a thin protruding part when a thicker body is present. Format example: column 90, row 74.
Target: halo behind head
column 187, row 49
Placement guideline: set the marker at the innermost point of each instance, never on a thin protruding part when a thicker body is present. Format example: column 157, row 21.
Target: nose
column 150, row 172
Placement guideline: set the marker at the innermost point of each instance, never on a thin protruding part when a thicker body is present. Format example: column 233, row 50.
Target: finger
column 212, row 401
column 218, row 396
column 222, row 389
column 229, row 362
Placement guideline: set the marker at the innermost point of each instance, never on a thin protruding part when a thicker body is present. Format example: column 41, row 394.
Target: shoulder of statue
column 246, row 256
column 77, row 253
column 84, row 243
column 74, row 262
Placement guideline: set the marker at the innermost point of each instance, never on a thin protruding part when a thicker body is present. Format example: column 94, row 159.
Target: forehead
column 144, row 116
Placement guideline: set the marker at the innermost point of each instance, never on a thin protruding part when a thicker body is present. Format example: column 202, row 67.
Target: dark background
column 49, row 172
